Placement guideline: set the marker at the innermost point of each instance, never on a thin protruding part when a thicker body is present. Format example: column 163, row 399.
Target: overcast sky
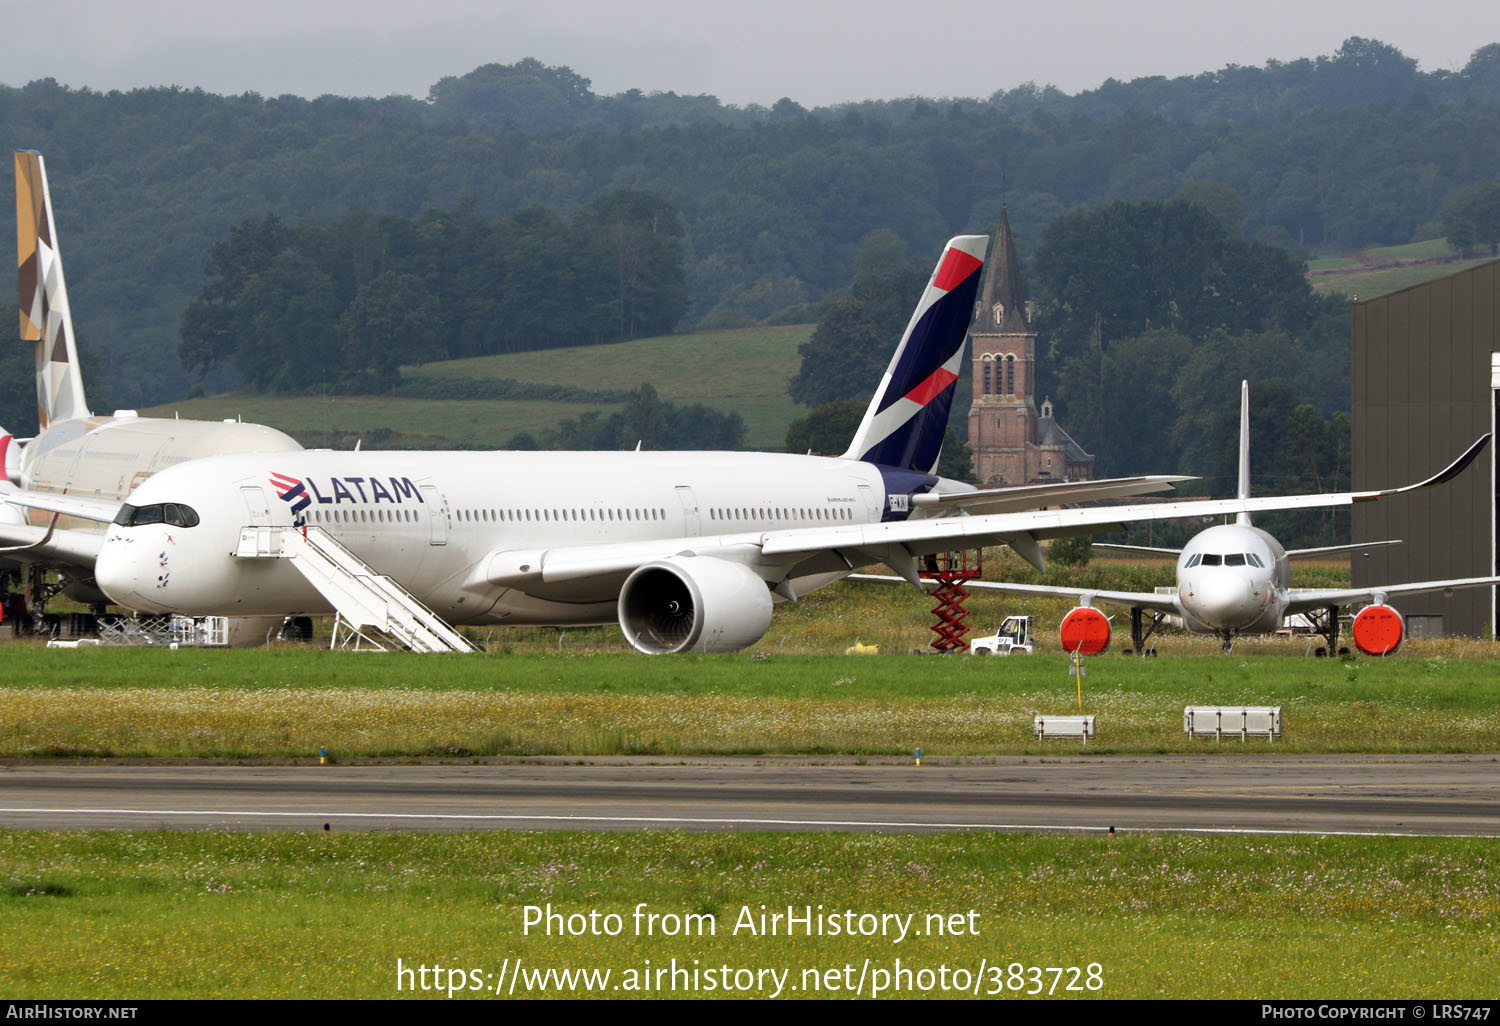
column 817, row 52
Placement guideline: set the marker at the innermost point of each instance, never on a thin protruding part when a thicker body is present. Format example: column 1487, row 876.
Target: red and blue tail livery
column 904, row 424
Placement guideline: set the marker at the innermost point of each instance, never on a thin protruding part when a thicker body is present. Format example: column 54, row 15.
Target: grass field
column 1370, row 283
column 287, row 704
column 338, row 421
column 163, row 915
column 1384, row 269
column 684, row 369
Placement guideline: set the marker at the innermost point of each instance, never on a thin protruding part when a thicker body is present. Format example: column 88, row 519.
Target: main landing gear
column 1325, row 622
column 1143, row 624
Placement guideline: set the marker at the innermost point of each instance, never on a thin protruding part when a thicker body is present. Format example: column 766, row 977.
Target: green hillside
column 744, row 371
column 1376, row 272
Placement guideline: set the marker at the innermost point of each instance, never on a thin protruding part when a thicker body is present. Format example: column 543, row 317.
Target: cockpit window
column 1234, row 559
column 1195, row 559
column 174, row 514
column 179, row 515
column 1254, row 560
column 1212, row 559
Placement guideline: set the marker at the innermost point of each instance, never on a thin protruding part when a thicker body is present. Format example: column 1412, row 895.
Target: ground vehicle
column 1013, row 636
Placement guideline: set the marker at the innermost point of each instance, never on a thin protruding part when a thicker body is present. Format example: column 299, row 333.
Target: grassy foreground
column 287, row 704
column 142, row 915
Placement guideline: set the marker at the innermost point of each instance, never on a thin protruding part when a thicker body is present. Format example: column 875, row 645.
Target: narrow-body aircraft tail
column 1244, row 489
column 904, row 424
column 45, row 318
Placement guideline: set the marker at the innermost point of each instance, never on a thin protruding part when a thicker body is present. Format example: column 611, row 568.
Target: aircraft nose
column 118, row 572
column 1221, row 600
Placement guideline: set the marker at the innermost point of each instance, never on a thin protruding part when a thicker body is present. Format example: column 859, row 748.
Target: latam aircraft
column 688, row 551
column 76, row 453
column 1233, row 580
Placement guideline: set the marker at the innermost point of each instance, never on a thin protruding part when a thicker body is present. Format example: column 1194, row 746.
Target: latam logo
column 337, row 490
column 291, row 490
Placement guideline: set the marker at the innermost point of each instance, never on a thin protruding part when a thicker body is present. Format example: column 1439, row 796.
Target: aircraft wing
column 1303, row 599
column 1083, row 596
column 81, row 506
column 28, row 544
column 896, row 543
column 1024, row 497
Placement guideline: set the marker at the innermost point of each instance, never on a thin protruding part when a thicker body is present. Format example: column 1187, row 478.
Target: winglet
column 1447, row 474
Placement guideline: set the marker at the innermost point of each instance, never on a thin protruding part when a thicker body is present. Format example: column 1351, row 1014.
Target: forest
column 1333, row 152
column 279, row 244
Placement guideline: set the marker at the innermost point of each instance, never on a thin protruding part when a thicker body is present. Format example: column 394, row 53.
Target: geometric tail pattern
column 905, row 421
column 45, row 318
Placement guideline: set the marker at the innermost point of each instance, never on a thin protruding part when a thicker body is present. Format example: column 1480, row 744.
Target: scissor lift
column 952, row 570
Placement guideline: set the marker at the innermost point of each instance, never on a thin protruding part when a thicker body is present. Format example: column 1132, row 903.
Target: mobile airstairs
column 365, row 600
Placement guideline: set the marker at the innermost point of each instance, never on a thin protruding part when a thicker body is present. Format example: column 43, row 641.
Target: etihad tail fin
column 1244, row 490
column 45, row 318
column 904, row 424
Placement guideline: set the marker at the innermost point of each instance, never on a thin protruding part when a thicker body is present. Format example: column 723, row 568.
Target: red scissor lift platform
column 952, row 570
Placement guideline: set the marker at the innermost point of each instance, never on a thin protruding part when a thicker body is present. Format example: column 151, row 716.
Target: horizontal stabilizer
column 1333, row 550
column 1143, row 549
column 1023, row 497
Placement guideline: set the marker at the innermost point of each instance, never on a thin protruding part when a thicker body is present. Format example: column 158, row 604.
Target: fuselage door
column 256, row 505
column 872, row 503
column 437, row 515
column 689, row 510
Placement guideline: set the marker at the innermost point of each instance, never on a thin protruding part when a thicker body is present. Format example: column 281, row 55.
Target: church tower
column 1003, row 419
column 1012, row 442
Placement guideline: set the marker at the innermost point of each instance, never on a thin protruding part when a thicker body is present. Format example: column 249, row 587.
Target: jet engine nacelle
column 10, row 457
column 694, row 604
column 1378, row 630
column 1084, row 630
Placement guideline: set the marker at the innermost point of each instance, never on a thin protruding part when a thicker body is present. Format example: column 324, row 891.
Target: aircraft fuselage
column 469, row 533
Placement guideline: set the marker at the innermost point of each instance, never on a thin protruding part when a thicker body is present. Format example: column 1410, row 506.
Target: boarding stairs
column 364, row 599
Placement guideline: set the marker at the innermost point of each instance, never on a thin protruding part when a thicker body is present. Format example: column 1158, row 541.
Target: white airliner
column 76, row 453
column 1233, row 580
column 686, row 550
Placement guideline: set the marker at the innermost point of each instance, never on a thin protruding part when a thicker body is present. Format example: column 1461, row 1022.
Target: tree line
column 342, row 304
column 1353, row 149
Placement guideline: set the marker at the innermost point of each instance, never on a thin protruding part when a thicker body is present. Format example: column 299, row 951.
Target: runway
column 1452, row 795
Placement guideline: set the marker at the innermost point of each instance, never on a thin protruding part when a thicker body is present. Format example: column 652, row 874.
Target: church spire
column 1004, row 304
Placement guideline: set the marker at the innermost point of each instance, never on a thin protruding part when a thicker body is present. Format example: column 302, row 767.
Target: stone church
column 1013, row 442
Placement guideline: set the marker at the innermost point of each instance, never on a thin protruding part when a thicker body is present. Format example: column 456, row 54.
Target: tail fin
column 45, row 318
column 904, row 424
column 1244, row 491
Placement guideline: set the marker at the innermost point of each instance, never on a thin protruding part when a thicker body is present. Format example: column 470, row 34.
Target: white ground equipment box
column 1241, row 721
column 1074, row 727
